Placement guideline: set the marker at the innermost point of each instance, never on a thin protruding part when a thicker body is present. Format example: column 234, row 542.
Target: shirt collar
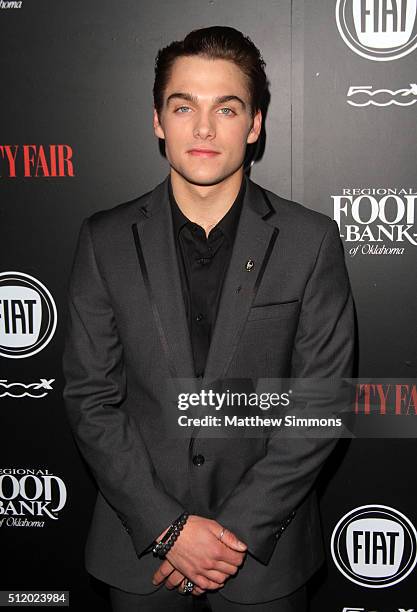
column 228, row 223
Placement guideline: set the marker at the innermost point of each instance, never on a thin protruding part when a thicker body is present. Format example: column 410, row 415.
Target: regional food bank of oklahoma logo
column 377, row 29
column 28, row 315
column 374, row 546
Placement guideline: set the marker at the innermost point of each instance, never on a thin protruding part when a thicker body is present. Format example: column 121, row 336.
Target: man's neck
column 206, row 205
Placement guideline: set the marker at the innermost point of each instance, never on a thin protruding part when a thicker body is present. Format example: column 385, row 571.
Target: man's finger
column 163, row 571
column 174, row 579
column 226, row 568
column 197, row 591
column 231, row 540
column 230, row 555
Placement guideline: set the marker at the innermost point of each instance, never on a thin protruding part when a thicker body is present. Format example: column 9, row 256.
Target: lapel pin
column 249, row 265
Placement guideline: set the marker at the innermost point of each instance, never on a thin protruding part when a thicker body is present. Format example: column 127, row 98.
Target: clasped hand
column 200, row 555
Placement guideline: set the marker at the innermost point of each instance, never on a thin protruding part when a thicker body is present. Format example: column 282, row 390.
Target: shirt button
column 198, row 459
column 199, row 317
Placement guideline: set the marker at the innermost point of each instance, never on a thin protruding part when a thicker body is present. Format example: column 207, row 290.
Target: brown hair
column 215, row 42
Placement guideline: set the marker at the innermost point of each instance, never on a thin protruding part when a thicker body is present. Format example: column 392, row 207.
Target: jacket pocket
column 276, row 310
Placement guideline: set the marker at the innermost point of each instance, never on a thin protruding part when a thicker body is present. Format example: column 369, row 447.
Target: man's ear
column 159, row 132
column 256, row 128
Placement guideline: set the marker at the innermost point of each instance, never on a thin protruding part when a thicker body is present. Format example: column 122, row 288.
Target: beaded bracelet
column 163, row 546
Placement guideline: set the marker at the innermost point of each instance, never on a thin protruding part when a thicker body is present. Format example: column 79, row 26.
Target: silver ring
column 188, row 586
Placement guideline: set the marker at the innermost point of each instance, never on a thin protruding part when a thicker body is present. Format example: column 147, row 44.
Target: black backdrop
column 80, row 75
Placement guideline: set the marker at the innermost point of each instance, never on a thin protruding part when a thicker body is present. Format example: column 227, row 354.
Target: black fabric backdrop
column 80, row 74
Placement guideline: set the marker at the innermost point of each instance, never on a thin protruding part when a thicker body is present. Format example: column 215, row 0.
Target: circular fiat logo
column 378, row 30
column 374, row 546
column 28, row 315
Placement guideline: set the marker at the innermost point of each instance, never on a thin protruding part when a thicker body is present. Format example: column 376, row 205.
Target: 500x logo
column 18, row 389
column 365, row 95
column 365, row 610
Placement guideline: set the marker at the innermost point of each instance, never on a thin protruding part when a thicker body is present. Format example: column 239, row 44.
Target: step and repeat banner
column 76, row 137
column 356, row 131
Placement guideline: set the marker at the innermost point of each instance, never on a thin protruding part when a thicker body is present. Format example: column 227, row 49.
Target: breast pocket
column 277, row 310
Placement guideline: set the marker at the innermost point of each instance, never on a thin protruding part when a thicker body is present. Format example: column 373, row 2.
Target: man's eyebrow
column 218, row 100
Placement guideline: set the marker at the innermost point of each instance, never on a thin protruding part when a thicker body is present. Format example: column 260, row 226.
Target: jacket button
column 198, row 459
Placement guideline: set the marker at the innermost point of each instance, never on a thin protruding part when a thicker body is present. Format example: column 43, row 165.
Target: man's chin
column 203, row 180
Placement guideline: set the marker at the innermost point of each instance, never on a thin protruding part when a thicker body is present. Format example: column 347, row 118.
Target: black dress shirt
column 203, row 262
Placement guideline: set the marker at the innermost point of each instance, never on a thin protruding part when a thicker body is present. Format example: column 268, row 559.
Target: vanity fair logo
column 11, row 4
column 33, row 493
column 376, row 220
column 28, row 315
column 374, row 546
column 36, row 161
column 376, row 29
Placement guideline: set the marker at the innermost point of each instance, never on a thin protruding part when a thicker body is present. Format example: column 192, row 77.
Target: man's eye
column 183, row 110
column 232, row 112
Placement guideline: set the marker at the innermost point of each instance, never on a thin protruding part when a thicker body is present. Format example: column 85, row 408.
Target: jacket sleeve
column 264, row 502
column 95, row 388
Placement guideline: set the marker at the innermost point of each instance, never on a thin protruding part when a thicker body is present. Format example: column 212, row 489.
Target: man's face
column 192, row 119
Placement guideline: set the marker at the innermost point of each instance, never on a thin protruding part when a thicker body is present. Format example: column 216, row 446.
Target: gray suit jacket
column 290, row 316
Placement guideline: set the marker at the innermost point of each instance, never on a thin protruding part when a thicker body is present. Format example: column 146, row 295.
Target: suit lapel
column 154, row 240
column 255, row 238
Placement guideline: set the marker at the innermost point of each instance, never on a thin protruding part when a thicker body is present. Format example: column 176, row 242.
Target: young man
column 211, row 277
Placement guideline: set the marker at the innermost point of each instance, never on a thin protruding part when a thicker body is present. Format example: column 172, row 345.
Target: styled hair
column 215, row 42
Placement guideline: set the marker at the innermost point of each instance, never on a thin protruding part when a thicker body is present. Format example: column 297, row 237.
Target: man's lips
column 203, row 152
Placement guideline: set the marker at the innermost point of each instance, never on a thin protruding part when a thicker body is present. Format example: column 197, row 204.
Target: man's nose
column 204, row 126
